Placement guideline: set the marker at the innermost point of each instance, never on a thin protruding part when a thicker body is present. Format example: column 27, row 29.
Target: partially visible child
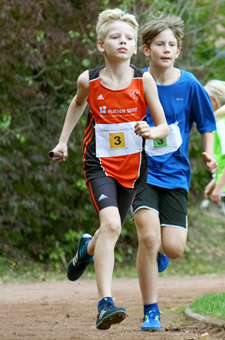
column 113, row 158
column 215, row 190
column 160, row 208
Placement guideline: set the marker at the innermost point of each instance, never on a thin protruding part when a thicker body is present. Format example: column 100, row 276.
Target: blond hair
column 161, row 23
column 216, row 89
column 109, row 16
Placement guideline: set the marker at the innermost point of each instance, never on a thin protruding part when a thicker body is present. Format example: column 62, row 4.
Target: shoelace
column 152, row 314
column 75, row 259
column 108, row 305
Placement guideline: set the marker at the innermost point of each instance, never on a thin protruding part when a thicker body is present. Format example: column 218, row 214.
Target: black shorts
column 170, row 204
column 107, row 192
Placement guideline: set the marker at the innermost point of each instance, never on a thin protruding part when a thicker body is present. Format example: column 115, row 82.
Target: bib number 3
column 117, row 140
column 114, row 140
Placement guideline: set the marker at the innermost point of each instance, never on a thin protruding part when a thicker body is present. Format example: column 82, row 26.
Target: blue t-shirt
column 184, row 102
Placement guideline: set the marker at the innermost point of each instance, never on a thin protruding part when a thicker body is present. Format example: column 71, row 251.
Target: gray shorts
column 170, row 204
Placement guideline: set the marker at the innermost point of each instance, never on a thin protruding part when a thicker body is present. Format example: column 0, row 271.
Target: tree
column 45, row 45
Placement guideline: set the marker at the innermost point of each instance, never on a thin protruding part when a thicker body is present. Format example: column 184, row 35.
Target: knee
column 173, row 251
column 148, row 237
column 111, row 226
column 149, row 240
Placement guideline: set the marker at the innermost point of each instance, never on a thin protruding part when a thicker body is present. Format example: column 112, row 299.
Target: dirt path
column 67, row 310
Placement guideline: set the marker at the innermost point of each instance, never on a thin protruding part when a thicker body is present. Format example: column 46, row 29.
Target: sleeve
column 201, row 109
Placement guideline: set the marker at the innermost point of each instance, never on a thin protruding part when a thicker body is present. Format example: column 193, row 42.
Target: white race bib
column 114, row 140
column 158, row 147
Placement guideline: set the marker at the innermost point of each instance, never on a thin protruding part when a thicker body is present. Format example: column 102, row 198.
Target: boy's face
column 119, row 42
column 163, row 49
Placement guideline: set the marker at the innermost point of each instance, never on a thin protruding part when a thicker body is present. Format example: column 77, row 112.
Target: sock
column 85, row 255
column 102, row 301
column 147, row 308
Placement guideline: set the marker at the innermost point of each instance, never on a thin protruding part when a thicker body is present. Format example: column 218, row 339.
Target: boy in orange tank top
column 118, row 95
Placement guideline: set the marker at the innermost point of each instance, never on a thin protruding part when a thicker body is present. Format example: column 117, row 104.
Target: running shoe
column 162, row 261
column 77, row 265
column 151, row 321
column 109, row 315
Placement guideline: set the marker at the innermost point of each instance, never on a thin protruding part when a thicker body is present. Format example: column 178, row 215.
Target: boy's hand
column 61, row 151
column 142, row 129
column 215, row 196
column 210, row 162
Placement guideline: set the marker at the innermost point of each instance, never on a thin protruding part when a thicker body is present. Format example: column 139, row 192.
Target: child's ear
column 215, row 103
column 100, row 46
column 135, row 50
column 146, row 50
column 178, row 52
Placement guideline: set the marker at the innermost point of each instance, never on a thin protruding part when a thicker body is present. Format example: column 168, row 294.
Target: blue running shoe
column 151, row 321
column 108, row 315
column 162, row 261
column 77, row 265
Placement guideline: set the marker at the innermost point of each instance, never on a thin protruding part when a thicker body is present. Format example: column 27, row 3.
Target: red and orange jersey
column 110, row 145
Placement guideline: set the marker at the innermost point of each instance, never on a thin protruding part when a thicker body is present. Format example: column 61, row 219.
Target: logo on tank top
column 100, row 97
column 135, row 94
column 102, row 109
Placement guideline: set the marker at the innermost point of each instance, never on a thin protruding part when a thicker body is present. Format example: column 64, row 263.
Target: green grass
column 212, row 305
column 28, row 271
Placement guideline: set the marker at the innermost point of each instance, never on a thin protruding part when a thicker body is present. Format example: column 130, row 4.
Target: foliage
column 45, row 45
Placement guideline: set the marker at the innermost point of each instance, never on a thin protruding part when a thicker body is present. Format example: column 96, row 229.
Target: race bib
column 114, row 140
column 158, row 147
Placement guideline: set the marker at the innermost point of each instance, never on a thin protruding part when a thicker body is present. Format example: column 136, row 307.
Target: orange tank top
column 108, row 146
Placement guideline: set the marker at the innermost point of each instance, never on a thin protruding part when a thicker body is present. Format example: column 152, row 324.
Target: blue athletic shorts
column 170, row 204
column 107, row 192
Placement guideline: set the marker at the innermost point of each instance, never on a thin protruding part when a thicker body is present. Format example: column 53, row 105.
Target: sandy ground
column 67, row 310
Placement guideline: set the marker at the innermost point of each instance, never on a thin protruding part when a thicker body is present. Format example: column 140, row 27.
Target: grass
column 212, row 305
column 28, row 271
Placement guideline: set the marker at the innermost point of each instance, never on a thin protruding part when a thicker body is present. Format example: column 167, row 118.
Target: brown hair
column 161, row 23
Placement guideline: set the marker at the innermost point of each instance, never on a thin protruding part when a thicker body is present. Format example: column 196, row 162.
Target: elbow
column 166, row 131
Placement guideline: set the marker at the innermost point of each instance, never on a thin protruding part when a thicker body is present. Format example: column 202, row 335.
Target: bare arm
column 208, row 140
column 217, row 191
column 74, row 112
column 161, row 129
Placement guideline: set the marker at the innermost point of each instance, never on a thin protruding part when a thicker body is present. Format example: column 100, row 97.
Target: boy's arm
column 208, row 140
column 161, row 129
column 209, row 187
column 74, row 112
column 217, row 192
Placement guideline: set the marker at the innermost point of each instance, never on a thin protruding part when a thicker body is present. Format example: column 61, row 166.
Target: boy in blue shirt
column 160, row 208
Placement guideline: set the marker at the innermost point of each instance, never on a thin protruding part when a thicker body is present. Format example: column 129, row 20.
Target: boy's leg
column 100, row 187
column 173, row 217
column 173, row 241
column 111, row 220
column 109, row 231
column 148, row 230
